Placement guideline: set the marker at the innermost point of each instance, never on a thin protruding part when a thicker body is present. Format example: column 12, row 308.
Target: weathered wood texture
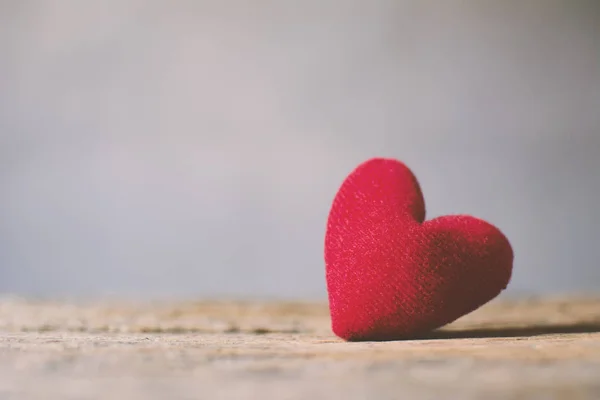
column 527, row 349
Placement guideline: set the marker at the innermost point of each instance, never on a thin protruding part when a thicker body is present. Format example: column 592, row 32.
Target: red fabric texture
column 390, row 274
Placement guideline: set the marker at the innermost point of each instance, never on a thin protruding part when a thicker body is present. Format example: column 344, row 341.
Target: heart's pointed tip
column 370, row 333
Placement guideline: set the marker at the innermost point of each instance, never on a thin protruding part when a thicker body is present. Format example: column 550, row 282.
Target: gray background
column 192, row 148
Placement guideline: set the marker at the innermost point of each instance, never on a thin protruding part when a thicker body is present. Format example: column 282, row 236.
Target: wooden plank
column 529, row 348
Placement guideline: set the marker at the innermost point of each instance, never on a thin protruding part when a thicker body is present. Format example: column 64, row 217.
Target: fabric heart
column 390, row 275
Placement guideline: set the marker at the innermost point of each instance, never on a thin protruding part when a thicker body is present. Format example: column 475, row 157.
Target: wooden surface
column 528, row 349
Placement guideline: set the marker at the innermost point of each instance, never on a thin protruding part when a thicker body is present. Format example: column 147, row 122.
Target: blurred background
column 171, row 149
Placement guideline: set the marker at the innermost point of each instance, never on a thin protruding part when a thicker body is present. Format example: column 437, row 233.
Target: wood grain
column 528, row 348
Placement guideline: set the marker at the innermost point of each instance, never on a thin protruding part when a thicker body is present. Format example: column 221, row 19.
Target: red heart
column 392, row 276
